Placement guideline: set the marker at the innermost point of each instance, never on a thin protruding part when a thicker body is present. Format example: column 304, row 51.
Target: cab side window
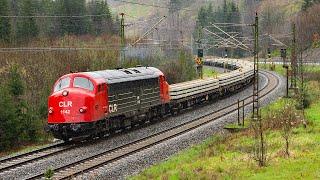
column 84, row 83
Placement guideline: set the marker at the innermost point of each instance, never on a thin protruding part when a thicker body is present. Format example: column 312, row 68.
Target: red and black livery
column 92, row 103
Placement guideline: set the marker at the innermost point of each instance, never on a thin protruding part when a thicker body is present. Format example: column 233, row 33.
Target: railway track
column 29, row 157
column 93, row 162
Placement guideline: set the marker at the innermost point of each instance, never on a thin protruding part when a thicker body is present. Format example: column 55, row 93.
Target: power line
column 57, row 16
column 153, row 5
column 40, row 49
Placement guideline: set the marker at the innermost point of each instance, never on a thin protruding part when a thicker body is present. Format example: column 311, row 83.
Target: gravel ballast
column 139, row 161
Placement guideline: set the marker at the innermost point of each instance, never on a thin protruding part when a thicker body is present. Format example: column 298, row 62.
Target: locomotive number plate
column 66, row 111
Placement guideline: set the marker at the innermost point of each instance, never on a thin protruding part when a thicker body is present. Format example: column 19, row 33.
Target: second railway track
column 93, row 162
column 28, row 157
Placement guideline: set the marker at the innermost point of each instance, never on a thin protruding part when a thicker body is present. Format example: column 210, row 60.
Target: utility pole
column 123, row 41
column 286, row 66
column 302, row 90
column 260, row 149
column 294, row 63
column 256, row 70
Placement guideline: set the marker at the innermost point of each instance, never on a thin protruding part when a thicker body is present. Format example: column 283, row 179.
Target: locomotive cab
column 76, row 100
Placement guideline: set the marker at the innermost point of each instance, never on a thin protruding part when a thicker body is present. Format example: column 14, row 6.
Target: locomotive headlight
column 83, row 109
column 65, row 93
column 50, row 110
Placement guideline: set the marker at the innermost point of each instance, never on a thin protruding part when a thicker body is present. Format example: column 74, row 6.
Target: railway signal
column 199, row 63
column 226, row 53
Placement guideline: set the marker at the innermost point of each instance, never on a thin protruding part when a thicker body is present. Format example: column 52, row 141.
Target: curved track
column 93, row 162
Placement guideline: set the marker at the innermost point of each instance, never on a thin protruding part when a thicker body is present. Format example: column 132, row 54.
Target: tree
column 27, row 27
column 15, row 83
column 116, row 25
column 8, row 120
column 5, row 26
column 47, row 26
column 202, row 17
column 102, row 22
column 308, row 3
column 76, row 23
column 227, row 13
column 25, row 117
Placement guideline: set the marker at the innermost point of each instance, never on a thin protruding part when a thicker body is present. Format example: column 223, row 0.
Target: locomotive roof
column 123, row 75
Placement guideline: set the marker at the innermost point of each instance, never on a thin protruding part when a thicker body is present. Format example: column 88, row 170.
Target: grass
column 230, row 157
column 209, row 72
column 23, row 149
column 280, row 70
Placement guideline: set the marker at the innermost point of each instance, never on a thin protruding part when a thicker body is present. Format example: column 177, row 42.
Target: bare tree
column 289, row 118
column 260, row 144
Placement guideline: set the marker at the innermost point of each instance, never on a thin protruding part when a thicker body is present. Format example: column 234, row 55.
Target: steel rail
column 108, row 156
column 28, row 157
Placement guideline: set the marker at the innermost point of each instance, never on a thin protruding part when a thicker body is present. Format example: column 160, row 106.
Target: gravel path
column 137, row 162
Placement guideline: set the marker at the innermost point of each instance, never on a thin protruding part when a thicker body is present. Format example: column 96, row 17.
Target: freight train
column 91, row 104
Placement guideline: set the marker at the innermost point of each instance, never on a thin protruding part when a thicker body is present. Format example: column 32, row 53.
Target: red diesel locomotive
column 93, row 103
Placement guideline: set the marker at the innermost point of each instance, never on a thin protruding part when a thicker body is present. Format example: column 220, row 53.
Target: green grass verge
column 24, row 149
column 280, row 70
column 209, row 72
column 231, row 157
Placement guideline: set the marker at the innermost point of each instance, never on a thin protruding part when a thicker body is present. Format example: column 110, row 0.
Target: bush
column 18, row 120
column 9, row 124
column 306, row 101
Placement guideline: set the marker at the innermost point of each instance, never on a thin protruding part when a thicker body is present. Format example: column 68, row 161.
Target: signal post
column 286, row 66
column 199, row 61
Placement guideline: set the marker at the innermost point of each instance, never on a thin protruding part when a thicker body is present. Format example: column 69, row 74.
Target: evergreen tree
column 174, row 5
column 47, row 26
column 24, row 114
column 210, row 14
column 15, row 83
column 116, row 25
column 308, row 3
column 73, row 24
column 227, row 13
column 27, row 27
column 202, row 17
column 8, row 121
column 102, row 22
column 5, row 27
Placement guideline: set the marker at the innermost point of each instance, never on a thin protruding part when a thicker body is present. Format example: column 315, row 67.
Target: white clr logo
column 65, row 104
column 113, row 108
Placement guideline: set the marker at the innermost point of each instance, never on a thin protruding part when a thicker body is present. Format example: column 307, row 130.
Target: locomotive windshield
column 61, row 84
column 84, row 83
